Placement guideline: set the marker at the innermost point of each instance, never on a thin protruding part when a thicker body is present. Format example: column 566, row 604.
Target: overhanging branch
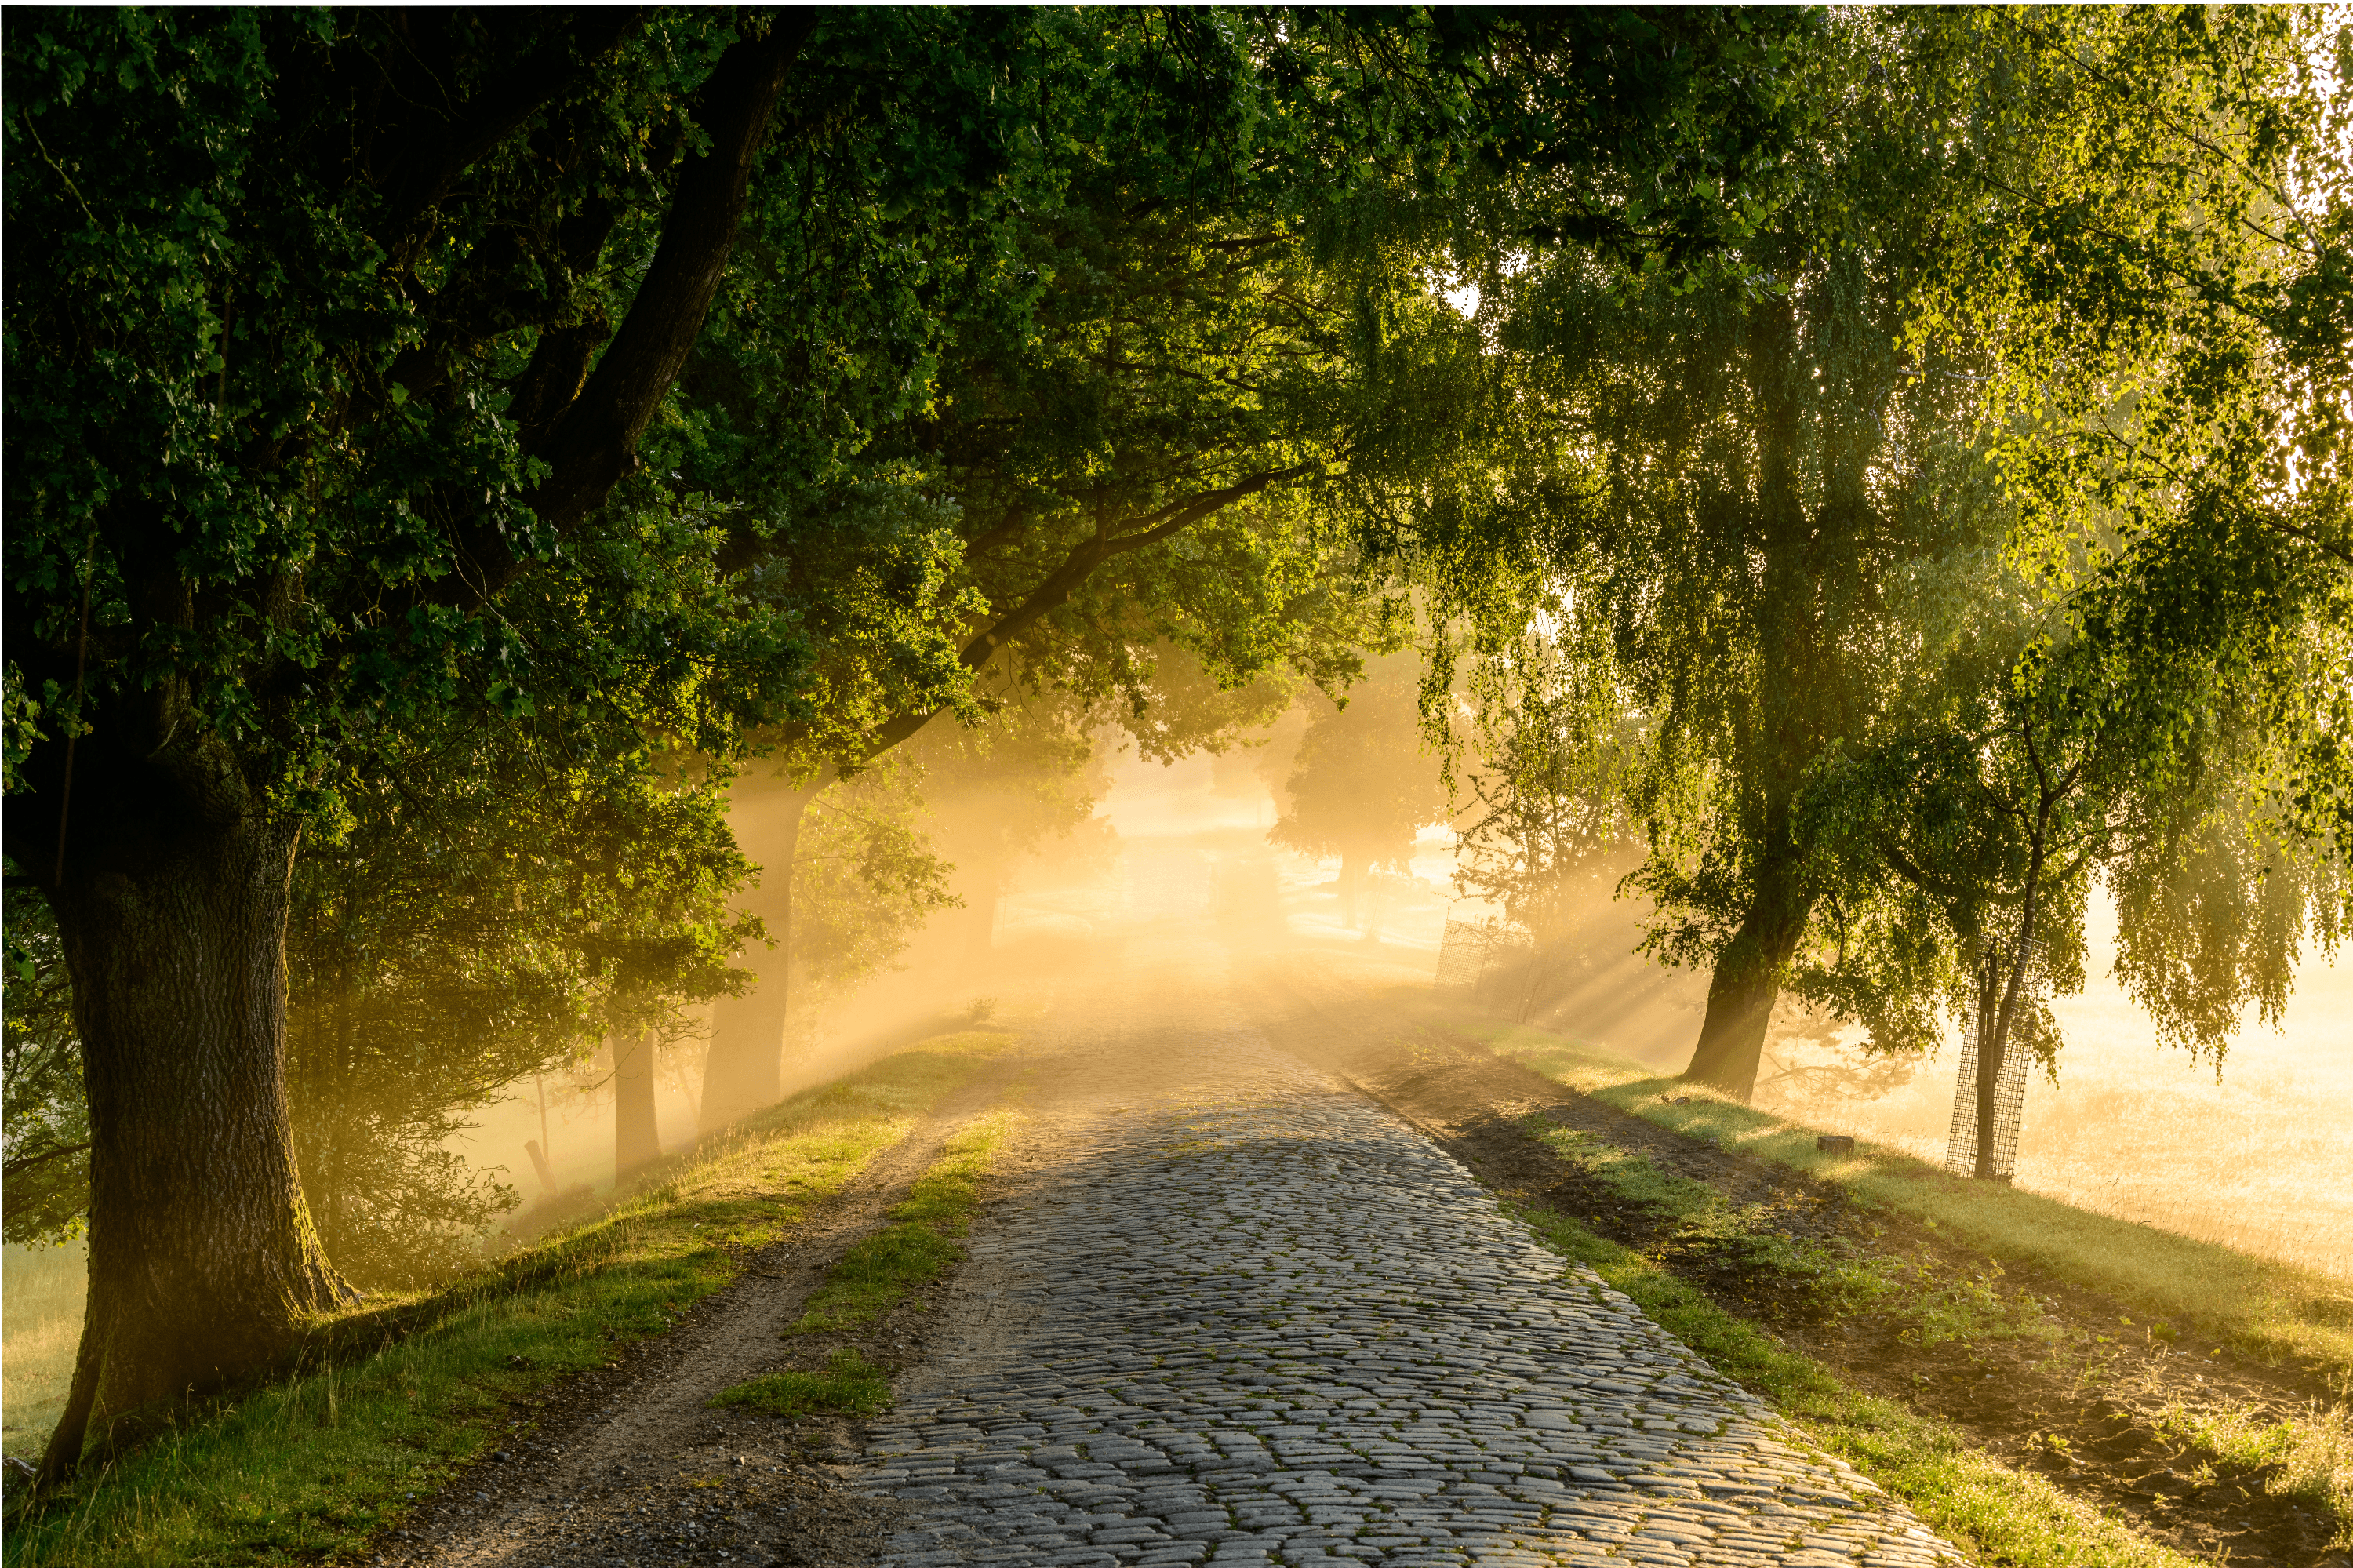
column 591, row 445
column 1066, row 579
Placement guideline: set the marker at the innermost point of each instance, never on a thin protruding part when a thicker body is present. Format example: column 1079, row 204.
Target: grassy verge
column 1929, row 1307
column 875, row 1276
column 396, row 1397
column 2313, row 1456
column 847, row 1384
column 1997, row 1514
column 2260, row 1306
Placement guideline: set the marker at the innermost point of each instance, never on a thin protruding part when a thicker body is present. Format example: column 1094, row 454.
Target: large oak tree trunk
column 637, row 1134
column 1747, row 980
column 203, row 1262
column 744, row 1070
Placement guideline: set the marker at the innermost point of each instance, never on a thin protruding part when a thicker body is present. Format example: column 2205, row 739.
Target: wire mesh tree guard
column 1469, row 948
column 1497, row 961
column 2008, row 1088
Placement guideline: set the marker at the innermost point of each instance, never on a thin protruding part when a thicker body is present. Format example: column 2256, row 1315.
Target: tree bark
column 637, row 1136
column 1786, row 731
column 203, row 1262
column 1990, row 1056
column 1747, row 979
column 744, row 1072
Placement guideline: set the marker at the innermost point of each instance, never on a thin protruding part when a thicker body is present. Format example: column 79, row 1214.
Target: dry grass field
column 42, row 1318
column 2254, row 1159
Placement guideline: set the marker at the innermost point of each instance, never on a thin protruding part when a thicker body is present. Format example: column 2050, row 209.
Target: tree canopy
column 663, row 386
column 475, row 478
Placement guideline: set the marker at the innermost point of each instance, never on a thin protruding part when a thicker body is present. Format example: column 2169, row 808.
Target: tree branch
column 1894, row 854
column 1065, row 580
column 591, row 445
column 494, row 112
column 22, row 1163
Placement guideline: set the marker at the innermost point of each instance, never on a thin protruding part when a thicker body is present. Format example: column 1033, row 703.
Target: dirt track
column 631, row 1465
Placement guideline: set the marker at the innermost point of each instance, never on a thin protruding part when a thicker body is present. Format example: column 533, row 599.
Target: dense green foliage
column 1551, row 831
column 46, row 1120
column 453, row 943
column 1981, row 546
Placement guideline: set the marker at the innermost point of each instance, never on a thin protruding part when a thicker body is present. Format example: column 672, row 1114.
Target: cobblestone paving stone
column 1283, row 1327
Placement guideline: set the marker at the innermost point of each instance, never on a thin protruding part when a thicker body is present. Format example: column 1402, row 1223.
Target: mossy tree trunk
column 203, row 1262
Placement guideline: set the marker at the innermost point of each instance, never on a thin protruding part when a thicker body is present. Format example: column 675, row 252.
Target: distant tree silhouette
column 1364, row 785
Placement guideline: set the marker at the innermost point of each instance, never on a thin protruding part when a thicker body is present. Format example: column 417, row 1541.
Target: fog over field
column 2250, row 1157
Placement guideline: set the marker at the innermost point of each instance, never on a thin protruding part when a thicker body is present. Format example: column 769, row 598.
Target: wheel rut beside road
column 640, row 1471
column 1254, row 1318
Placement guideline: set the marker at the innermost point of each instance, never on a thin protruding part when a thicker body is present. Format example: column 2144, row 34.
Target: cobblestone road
column 1274, row 1325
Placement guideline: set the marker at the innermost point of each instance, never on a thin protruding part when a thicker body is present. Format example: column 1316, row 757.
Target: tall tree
column 1744, row 465
column 306, row 377
column 2046, row 748
column 2151, row 271
column 1983, row 334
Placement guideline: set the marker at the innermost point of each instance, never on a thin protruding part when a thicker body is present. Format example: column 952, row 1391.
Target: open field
column 2247, row 1157
column 44, row 1287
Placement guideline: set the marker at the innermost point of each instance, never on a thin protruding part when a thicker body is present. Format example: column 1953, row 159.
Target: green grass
column 1997, row 1514
column 2258, row 1305
column 850, row 1385
column 876, row 1274
column 1931, row 1308
column 2309, row 1457
column 1633, row 1176
column 395, row 1398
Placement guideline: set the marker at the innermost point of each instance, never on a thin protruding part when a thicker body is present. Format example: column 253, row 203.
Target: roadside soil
column 2081, row 1416
column 630, row 1464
